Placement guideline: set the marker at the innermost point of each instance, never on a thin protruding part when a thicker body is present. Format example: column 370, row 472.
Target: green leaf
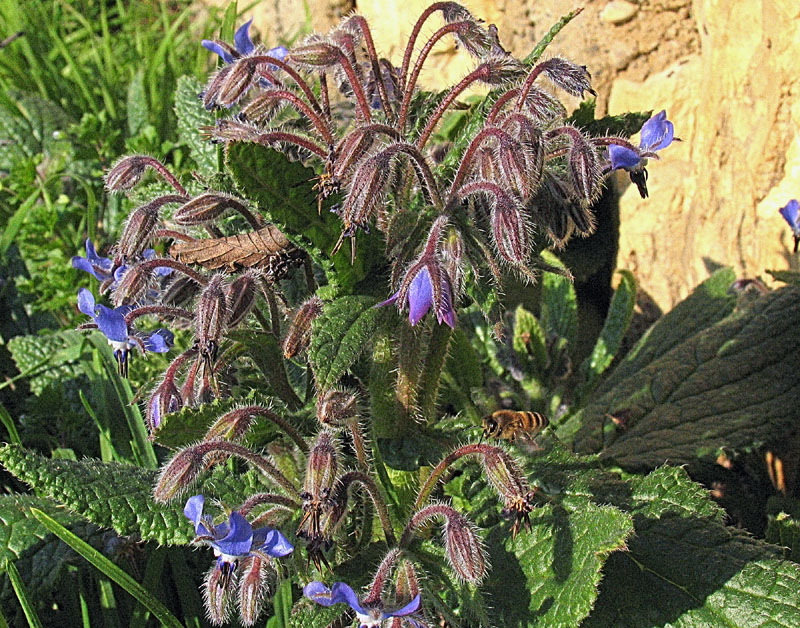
column 23, row 597
column 684, row 569
column 189, row 424
column 622, row 125
column 784, row 530
column 730, row 386
column 555, row 29
column 339, row 335
column 559, row 314
column 284, row 191
column 139, row 593
column 118, row 496
column 608, row 343
column 529, row 338
column 138, row 113
column 192, row 116
column 48, row 358
column 18, row 530
column 786, row 276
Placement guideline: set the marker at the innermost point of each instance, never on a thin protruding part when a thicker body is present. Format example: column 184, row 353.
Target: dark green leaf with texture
column 339, row 335
column 622, row 125
column 284, row 191
column 559, row 314
column 189, row 424
column 684, row 569
column 732, row 385
column 786, row 276
column 119, row 496
column 49, row 358
column 19, row 530
column 137, row 104
column 191, row 116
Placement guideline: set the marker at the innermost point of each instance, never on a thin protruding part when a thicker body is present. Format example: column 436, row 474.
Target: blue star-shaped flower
column 421, row 294
column 791, row 214
column 242, row 46
column 369, row 615
column 113, row 326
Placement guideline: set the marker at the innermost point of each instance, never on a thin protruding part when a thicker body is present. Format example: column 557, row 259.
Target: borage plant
column 343, row 194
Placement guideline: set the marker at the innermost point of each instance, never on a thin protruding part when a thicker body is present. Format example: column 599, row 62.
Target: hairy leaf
column 559, row 314
column 266, row 248
column 48, row 358
column 19, row 531
column 339, row 335
column 684, row 569
column 191, row 116
column 624, row 124
column 189, row 425
column 137, row 104
column 732, row 385
column 529, row 338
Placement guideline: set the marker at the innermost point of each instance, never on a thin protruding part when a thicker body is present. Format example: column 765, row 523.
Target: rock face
column 727, row 73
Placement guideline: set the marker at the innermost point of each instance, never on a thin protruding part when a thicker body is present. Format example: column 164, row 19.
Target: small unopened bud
column 139, row 230
column 252, row 587
column 218, row 593
column 510, row 233
column 241, row 295
column 463, row 548
column 499, row 69
column 367, row 189
column 164, row 400
column 232, row 425
column 212, row 312
column 455, row 12
column 322, row 467
column 315, row 55
column 231, row 130
column 584, row 170
column 572, row 78
column 452, row 251
column 211, row 94
column 237, row 82
column 178, row 475
column 504, row 474
column 476, row 39
column 133, row 286
column 352, row 148
column 205, row 208
column 543, row 106
column 263, row 107
column 181, row 290
column 299, row 335
column 126, row 173
column 337, row 407
column 406, row 581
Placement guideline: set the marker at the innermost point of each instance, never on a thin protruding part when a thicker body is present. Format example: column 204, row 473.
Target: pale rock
column 618, row 12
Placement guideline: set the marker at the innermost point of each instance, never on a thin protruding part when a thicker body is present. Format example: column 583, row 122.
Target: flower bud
column 180, row 290
column 299, row 335
column 336, row 408
column 504, row 474
column 179, row 474
column 367, row 189
column 463, row 548
column 126, row 173
column 241, row 296
column 133, row 286
column 584, row 170
column 499, row 69
column 543, row 106
column 163, row 401
column 406, row 581
column 352, row 148
column 138, row 231
column 315, row 55
column 263, row 107
column 237, row 82
column 205, row 208
column 572, row 78
column 212, row 312
column 252, row 587
column 510, row 233
column 232, row 425
column 217, row 593
column 211, row 92
column 322, row 467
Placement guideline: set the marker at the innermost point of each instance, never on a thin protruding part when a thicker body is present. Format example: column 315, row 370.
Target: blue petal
column 91, row 255
column 279, row 52
column 160, row 341
column 622, row 157
column 81, row 263
column 111, row 323
column 194, row 508
column 409, row 608
column 239, row 539
column 657, row 132
column 790, row 213
column 86, row 302
column 420, row 296
column 341, row 592
column 242, row 41
column 215, row 47
column 319, row 593
column 390, row 301
column 272, row 542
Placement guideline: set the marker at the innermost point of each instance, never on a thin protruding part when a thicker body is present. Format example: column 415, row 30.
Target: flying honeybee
column 509, row 424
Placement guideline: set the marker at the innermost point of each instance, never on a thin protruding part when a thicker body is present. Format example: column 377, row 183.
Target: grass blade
column 22, row 594
column 124, row 580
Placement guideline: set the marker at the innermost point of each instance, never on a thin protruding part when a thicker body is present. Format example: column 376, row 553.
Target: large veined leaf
column 732, row 385
column 49, row 357
column 19, row 531
column 559, row 314
column 191, row 116
column 118, row 496
column 189, row 424
column 687, row 570
column 339, row 335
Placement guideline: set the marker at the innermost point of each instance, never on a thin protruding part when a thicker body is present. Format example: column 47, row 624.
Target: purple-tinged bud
column 351, row 149
column 212, row 312
column 179, row 474
column 584, row 169
column 241, row 295
column 526, row 167
column 572, row 78
column 453, row 256
column 133, row 286
column 475, row 39
column 510, row 233
column 322, row 467
column 211, row 93
column 500, row 69
column 138, row 231
column 205, row 208
column 543, row 106
column 227, row 130
column 455, row 12
column 252, row 588
column 231, row 426
column 263, row 107
column 315, row 55
column 126, row 173
column 217, row 593
column 238, row 81
column 299, row 335
column 367, row 189
column 406, row 581
column 504, row 474
column 337, row 408
column 164, row 400
column 181, row 290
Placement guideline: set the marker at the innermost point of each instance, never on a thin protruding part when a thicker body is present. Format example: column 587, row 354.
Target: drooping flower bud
column 314, row 54
column 510, row 233
column 126, row 173
column 299, row 334
column 211, row 93
column 212, row 312
column 241, row 296
column 322, row 466
column 583, row 168
column 406, row 580
column 164, row 400
column 504, row 474
column 217, row 594
column 232, row 425
column 205, row 208
column 178, row 475
column 337, row 408
column 572, row 78
column 499, row 69
column 237, row 82
column 138, row 231
column 133, row 286
column 252, row 587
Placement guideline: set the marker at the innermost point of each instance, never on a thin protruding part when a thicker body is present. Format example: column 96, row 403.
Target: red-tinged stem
column 370, row 128
column 292, row 138
column 605, row 141
column 303, row 108
column 423, row 170
column 168, row 176
column 355, row 84
column 323, row 92
column 526, row 86
column 376, row 66
column 482, row 71
column 381, row 576
column 299, row 80
column 408, row 90
column 162, row 262
column 377, row 498
column 469, row 154
column 412, row 39
column 161, row 310
column 501, row 102
column 267, row 498
column 175, row 235
column 266, row 74
column 438, row 471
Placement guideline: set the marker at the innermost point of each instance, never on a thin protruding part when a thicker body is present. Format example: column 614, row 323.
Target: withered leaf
column 267, row 249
